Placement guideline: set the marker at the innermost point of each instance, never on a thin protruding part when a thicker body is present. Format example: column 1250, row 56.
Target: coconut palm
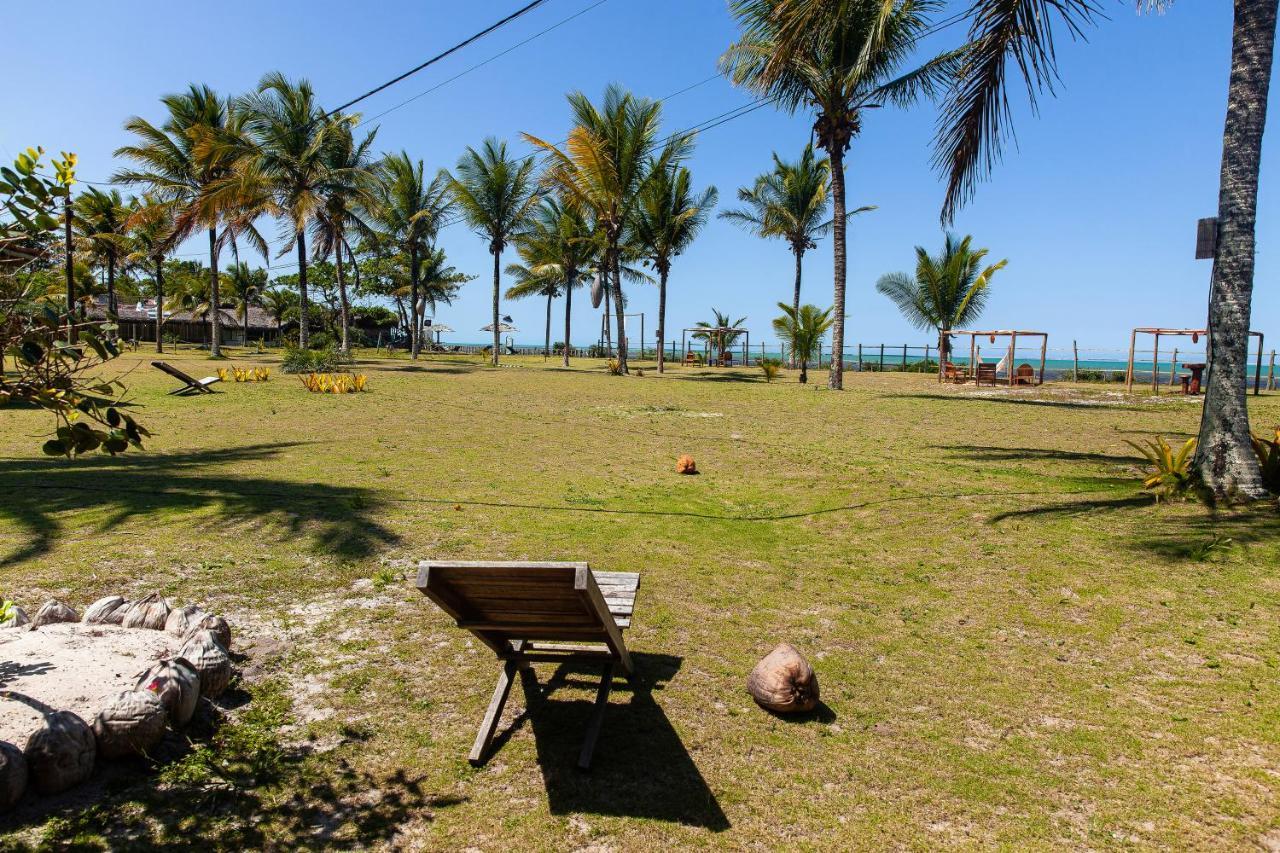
column 948, row 290
column 604, row 167
column 801, row 329
column 559, row 242
column 438, row 282
column 247, row 285
column 151, row 237
column 530, row 283
column 347, row 192
column 408, row 214
column 179, row 168
column 278, row 302
column 100, row 218
column 666, row 221
column 853, row 62
column 495, row 193
column 719, row 333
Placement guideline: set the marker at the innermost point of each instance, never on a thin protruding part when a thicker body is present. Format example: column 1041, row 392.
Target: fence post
column 1173, row 367
column 860, row 358
column 1075, row 362
column 904, row 358
column 1271, row 373
column 819, row 355
column 882, row 358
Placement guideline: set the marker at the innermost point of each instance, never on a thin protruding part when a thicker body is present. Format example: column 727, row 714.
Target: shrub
column 1172, row 475
column 924, row 365
column 298, row 360
column 615, row 367
column 771, row 368
column 1268, row 450
column 334, row 383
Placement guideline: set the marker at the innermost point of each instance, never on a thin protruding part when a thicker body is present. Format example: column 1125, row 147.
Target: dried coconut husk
column 181, row 620
column 210, row 661
column 216, row 624
column 13, row 775
column 150, row 611
column 60, row 753
column 177, row 684
column 17, row 618
column 784, row 682
column 131, row 724
column 106, row 611
column 686, row 465
column 52, row 612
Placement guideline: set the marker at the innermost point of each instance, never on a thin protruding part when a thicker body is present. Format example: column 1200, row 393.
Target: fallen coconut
column 177, row 684
column 60, row 753
column 131, row 724
column 13, row 775
column 181, row 619
column 686, row 465
column 784, row 682
column 16, row 619
column 150, row 611
column 106, row 611
column 221, row 630
column 52, row 612
column 210, row 661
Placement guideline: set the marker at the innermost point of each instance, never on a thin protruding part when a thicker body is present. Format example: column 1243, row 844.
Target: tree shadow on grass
column 341, row 519
column 1004, row 454
column 433, row 368
column 727, row 374
column 962, row 397
column 641, row 767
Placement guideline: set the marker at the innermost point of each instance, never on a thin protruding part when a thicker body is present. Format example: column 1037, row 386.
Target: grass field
column 1015, row 647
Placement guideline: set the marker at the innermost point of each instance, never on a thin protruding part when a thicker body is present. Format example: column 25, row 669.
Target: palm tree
column 279, row 302
column 719, row 333
column 604, row 167
column 666, row 221
column 408, row 214
column 247, row 288
column 801, row 329
column 283, row 166
column 101, row 219
column 495, row 193
column 347, row 191
column 151, row 238
column 850, row 63
column 531, row 283
column 438, row 281
column 559, row 242
column 179, row 169
column 948, row 290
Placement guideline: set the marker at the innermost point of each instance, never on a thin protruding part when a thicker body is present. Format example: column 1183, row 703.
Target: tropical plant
column 560, row 243
column 100, row 219
column 719, row 333
column 604, row 167
column 279, row 303
column 948, row 290
column 1171, row 475
column 771, row 368
column 666, row 221
column 408, row 215
column 1268, row 451
column 802, row 330
column 151, row 238
column 247, row 284
column 495, row 193
column 300, row 360
column 530, row 283
column 843, row 62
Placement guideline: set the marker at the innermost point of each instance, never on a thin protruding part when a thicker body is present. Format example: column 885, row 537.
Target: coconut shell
column 686, row 465
column 52, row 612
column 211, row 662
column 150, row 611
column 181, row 619
column 17, row 618
column 784, row 682
column 106, row 611
column 13, row 775
column 60, row 753
column 131, row 724
column 221, row 630
column 177, row 684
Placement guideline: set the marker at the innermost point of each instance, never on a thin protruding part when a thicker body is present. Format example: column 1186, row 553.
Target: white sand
column 69, row 667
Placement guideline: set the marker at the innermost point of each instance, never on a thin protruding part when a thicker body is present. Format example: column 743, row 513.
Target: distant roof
column 145, row 311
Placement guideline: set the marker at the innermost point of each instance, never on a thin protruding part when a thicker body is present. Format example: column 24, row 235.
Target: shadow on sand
column 341, row 519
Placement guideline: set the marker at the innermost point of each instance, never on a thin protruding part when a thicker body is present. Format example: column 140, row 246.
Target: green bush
column 771, row 367
column 297, row 360
column 921, row 366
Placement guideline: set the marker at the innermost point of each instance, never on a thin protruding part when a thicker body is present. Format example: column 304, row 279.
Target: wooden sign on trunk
column 1206, row 237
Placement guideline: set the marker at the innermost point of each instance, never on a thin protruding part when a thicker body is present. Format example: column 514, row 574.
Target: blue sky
column 1095, row 208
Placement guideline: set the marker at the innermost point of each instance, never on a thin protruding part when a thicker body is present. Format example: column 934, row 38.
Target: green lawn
column 1015, row 647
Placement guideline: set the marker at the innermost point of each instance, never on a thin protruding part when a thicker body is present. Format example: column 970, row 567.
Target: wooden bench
column 537, row 613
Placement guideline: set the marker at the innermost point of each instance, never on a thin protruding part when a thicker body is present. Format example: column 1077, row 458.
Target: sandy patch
column 69, row 667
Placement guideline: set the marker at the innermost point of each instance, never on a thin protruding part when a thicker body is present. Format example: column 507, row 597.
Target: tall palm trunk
column 662, row 315
column 944, row 338
column 303, row 304
column 344, row 307
column 73, row 333
column 111, row 283
column 215, row 327
column 415, row 331
column 547, row 347
column 804, row 369
column 497, row 272
column 608, row 324
column 1224, row 460
column 836, row 381
column 620, row 309
column 795, row 299
column 568, row 303
column 159, row 304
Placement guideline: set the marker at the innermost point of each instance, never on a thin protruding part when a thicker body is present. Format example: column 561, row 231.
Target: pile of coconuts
column 61, row 753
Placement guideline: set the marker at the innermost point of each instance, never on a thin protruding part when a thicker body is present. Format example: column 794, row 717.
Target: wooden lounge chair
column 537, row 612
column 986, row 373
column 190, row 385
column 1024, row 374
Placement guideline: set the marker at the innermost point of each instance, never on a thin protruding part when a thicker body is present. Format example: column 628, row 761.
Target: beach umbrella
column 502, row 327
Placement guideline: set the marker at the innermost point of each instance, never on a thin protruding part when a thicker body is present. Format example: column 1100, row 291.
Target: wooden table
column 1197, row 370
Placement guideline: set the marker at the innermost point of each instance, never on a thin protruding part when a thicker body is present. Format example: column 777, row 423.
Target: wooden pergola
column 1012, row 335
column 1194, row 334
